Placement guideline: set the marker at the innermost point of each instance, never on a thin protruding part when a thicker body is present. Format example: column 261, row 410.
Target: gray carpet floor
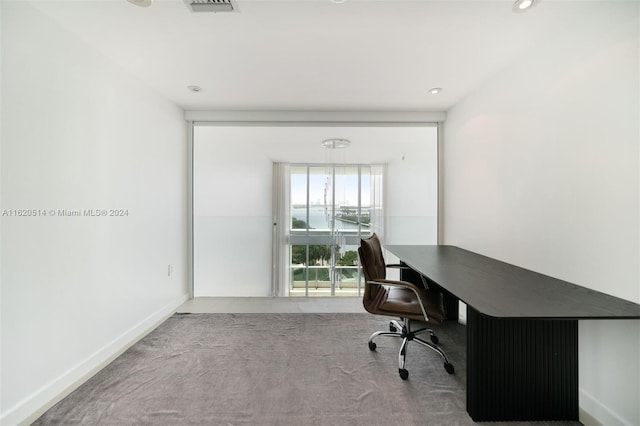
column 273, row 369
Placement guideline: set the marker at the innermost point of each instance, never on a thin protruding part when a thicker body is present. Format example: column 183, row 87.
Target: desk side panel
column 521, row 370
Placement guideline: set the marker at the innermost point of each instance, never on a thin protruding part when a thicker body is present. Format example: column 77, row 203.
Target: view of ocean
column 318, row 218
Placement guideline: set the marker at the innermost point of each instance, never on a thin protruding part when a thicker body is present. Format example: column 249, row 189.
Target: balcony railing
column 347, row 280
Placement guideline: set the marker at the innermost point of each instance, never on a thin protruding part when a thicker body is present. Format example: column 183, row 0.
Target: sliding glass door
column 330, row 212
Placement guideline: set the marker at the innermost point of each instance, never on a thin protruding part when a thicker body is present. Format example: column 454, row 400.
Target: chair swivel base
column 404, row 331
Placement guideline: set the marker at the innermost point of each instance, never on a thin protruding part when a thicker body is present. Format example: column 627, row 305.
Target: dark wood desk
column 522, row 331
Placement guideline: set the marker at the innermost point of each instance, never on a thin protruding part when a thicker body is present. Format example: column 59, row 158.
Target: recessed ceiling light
column 523, row 5
column 435, row 90
column 338, row 1
column 141, row 3
column 195, row 89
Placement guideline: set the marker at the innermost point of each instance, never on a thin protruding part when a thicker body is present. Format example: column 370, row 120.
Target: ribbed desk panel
column 521, row 369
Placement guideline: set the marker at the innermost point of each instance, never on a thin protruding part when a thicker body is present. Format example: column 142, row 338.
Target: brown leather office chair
column 401, row 299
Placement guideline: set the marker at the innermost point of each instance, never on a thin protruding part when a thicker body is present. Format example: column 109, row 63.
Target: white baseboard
column 32, row 407
column 595, row 413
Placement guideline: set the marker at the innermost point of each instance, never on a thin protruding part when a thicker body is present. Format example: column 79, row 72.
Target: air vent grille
column 212, row 5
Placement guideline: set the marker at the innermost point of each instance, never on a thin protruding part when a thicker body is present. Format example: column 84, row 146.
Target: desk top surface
column 502, row 290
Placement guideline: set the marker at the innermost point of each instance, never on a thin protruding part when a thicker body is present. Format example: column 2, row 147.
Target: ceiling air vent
column 212, row 5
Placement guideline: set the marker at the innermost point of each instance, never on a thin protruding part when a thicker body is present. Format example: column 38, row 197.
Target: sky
column 346, row 185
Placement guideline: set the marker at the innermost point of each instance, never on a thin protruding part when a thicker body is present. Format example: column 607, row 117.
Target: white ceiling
column 312, row 55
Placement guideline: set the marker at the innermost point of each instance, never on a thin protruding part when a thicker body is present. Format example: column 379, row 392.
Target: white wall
column 542, row 170
column 233, row 193
column 78, row 133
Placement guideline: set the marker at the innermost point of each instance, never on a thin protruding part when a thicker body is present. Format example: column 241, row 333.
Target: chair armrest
column 404, row 284
column 397, row 265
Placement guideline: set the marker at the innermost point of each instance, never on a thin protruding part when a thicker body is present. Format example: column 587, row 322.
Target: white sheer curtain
column 280, row 275
column 378, row 217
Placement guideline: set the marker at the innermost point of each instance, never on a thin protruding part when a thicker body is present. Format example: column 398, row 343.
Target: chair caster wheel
column 372, row 346
column 434, row 339
column 404, row 374
column 449, row 367
column 392, row 328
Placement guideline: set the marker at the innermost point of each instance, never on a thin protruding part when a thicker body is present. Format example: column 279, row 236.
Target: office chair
column 401, row 299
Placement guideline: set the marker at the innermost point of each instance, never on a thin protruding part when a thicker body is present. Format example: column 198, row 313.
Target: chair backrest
column 373, row 266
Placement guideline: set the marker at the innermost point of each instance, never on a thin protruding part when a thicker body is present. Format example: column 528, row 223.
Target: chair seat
column 401, row 302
